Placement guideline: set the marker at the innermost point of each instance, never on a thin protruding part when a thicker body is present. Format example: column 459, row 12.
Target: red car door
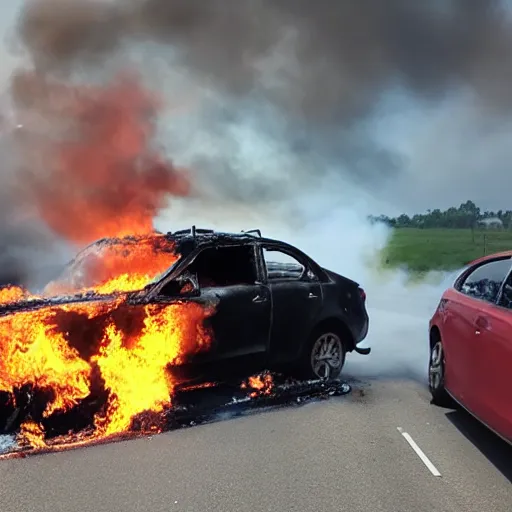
column 493, row 328
column 457, row 328
column 482, row 353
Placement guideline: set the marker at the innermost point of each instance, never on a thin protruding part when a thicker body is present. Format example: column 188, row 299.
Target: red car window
column 485, row 281
column 505, row 300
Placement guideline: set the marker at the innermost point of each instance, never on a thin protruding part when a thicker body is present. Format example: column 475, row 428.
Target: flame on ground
column 262, row 384
column 137, row 375
column 31, row 434
column 11, row 294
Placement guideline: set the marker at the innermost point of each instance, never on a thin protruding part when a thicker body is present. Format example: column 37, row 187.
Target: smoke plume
column 324, row 60
column 296, row 116
column 315, row 74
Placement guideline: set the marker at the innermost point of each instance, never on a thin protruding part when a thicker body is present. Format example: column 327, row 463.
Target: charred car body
column 273, row 306
column 291, row 314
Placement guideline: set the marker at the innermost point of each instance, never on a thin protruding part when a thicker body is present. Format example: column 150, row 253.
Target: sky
column 411, row 149
column 8, row 15
column 450, row 153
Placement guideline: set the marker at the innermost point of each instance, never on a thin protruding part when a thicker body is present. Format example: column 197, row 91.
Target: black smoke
column 332, row 58
column 321, row 66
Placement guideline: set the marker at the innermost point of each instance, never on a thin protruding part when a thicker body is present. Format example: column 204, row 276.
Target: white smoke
column 325, row 216
column 259, row 167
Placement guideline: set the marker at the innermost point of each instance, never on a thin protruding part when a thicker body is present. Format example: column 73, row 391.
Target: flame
column 90, row 172
column 262, row 384
column 120, row 264
column 10, row 294
column 91, row 169
column 200, row 385
column 32, row 434
column 31, row 353
column 131, row 345
column 136, row 375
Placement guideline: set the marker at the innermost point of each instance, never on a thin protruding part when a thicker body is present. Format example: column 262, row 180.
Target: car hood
column 35, row 303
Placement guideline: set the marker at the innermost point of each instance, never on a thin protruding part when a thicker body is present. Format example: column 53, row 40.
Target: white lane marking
column 419, row 452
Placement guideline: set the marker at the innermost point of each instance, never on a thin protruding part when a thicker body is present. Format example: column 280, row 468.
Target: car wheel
column 324, row 356
column 436, row 373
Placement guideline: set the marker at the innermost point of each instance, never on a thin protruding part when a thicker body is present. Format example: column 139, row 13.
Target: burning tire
column 324, row 355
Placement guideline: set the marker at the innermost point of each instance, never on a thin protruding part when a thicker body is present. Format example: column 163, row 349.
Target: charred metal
column 192, row 405
column 257, row 312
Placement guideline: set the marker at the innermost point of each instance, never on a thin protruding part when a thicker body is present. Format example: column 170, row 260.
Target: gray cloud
column 319, row 68
column 324, row 66
column 333, row 59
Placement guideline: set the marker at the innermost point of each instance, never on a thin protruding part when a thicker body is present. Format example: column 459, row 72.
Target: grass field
column 422, row 250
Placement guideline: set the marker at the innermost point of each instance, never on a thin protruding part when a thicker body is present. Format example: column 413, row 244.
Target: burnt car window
column 225, row 266
column 485, row 282
column 282, row 266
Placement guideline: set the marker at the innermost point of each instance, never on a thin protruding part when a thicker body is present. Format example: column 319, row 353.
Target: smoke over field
column 296, row 117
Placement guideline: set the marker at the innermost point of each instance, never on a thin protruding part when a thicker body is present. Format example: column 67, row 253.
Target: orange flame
column 101, row 175
column 31, row 352
column 126, row 264
column 136, row 375
column 92, row 172
column 32, row 434
column 262, row 384
column 49, row 349
column 11, row 294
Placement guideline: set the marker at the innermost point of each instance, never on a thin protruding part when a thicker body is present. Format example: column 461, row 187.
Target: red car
column 471, row 343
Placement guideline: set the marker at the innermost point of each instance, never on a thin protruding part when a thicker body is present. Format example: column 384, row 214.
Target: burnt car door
column 296, row 300
column 228, row 277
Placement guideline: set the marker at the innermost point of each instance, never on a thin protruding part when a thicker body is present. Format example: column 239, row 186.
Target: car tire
column 436, row 375
column 324, row 355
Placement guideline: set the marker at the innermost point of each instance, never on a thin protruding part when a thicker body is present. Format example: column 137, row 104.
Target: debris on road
column 197, row 405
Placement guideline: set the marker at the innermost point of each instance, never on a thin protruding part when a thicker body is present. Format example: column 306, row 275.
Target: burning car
column 131, row 318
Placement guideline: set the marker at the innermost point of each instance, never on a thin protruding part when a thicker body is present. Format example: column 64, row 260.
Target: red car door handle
column 480, row 323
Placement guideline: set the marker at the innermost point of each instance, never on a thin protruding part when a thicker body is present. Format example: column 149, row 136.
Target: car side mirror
column 188, row 283
column 183, row 285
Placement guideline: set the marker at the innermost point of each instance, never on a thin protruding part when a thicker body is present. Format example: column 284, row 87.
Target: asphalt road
column 342, row 454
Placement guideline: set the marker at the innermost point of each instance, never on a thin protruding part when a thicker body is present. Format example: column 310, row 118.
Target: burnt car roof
column 199, row 236
column 186, row 239
column 202, row 235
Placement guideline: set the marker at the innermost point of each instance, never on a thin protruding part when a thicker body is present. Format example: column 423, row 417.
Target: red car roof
column 487, row 257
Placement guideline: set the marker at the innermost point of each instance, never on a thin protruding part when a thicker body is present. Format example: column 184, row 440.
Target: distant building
column 490, row 222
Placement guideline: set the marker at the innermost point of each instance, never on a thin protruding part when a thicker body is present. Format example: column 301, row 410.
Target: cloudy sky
column 408, row 105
